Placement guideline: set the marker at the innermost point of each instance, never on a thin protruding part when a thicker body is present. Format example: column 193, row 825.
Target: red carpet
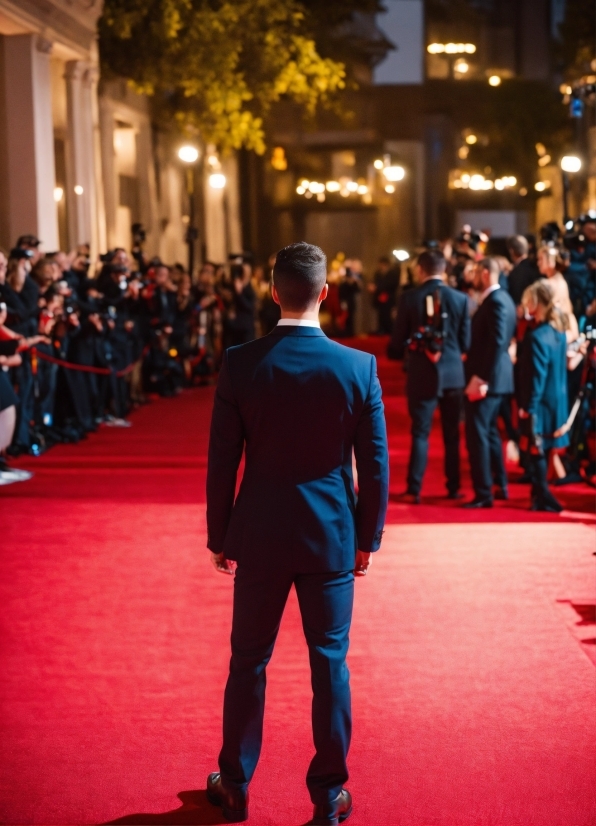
column 472, row 648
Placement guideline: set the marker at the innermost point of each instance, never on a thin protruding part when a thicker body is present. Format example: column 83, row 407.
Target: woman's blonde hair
column 541, row 293
column 553, row 255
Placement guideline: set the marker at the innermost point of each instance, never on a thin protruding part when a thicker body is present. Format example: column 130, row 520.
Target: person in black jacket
column 433, row 378
column 524, row 271
column 384, row 290
column 20, row 293
column 489, row 372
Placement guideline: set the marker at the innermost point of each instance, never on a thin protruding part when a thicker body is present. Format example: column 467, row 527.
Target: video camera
column 237, row 261
column 139, row 234
column 429, row 338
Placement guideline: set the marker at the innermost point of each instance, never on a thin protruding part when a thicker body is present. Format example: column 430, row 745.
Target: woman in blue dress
column 543, row 388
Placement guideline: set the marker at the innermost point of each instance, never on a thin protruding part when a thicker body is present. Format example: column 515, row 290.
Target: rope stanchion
column 86, row 368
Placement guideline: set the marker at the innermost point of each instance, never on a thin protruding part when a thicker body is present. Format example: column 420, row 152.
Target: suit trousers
column 421, row 413
column 325, row 601
column 484, row 445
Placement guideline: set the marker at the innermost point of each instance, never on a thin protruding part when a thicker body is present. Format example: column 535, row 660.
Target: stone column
column 27, row 178
column 234, row 224
column 215, row 223
column 82, row 156
column 99, row 235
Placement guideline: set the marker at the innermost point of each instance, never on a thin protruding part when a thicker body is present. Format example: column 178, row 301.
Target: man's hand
column 363, row 563
column 477, row 389
column 221, row 564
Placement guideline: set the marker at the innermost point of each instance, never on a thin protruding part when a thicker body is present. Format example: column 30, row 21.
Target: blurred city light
column 217, row 180
column 188, row 153
column 58, row 193
column 451, row 48
column 461, row 66
column 571, row 163
column 494, row 80
column 78, row 189
column 333, row 186
column 471, row 139
column 390, row 189
column 394, row 173
column 541, row 186
column 401, row 255
column 378, row 164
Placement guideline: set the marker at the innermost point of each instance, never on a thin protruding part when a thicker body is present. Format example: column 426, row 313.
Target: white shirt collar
column 488, row 291
column 297, row 322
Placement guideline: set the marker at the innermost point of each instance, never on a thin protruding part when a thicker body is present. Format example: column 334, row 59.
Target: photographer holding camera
column 433, row 327
column 241, row 315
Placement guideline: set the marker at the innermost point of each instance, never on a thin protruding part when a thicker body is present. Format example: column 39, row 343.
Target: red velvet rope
column 85, row 368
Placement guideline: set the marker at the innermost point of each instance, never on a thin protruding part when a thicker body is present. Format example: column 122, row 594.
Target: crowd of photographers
column 529, row 361
column 81, row 346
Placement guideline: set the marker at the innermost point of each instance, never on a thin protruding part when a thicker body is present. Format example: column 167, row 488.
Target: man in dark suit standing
column 524, row 271
column 489, row 372
column 298, row 404
column 435, row 370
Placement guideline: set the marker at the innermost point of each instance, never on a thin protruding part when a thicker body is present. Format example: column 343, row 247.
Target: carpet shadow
column 195, row 811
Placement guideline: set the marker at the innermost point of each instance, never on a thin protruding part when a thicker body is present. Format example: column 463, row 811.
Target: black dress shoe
column 546, row 505
column 333, row 813
column 455, row 494
column 524, row 479
column 477, row 503
column 234, row 804
column 501, row 493
column 410, row 498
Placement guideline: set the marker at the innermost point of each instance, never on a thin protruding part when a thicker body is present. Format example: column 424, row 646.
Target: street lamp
column 569, row 165
column 189, row 155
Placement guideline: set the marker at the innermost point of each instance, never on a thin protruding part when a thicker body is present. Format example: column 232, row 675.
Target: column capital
column 43, row 45
column 91, row 76
column 75, row 69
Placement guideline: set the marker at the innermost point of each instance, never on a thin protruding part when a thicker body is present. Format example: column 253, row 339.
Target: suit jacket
column 543, row 381
column 297, row 403
column 520, row 277
column 493, row 327
column 425, row 379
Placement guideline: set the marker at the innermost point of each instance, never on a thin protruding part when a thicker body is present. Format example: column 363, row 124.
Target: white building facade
column 80, row 160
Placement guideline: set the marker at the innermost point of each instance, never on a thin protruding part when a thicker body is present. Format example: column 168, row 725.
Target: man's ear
column 274, row 294
column 323, row 294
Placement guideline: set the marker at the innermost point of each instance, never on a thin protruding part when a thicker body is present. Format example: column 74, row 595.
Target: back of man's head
column 492, row 266
column 518, row 246
column 299, row 275
column 432, row 262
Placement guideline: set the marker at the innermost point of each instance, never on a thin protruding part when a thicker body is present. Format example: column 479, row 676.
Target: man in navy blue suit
column 435, row 376
column 298, row 405
column 489, row 372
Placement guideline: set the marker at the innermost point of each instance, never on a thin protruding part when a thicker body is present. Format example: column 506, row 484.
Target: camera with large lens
column 430, row 337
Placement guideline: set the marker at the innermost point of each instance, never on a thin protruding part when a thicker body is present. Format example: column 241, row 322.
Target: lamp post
column 570, row 164
column 189, row 155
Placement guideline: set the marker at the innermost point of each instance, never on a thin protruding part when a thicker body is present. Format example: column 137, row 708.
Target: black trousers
column 326, row 607
column 421, row 413
column 484, row 445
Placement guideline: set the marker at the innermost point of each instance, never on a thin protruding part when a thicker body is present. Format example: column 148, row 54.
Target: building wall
column 80, row 164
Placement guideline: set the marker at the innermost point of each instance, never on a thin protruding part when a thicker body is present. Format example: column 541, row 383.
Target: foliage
column 217, row 66
column 577, row 38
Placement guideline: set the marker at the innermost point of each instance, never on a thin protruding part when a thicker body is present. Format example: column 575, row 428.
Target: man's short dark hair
column 432, row 262
column 518, row 245
column 492, row 265
column 299, row 275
